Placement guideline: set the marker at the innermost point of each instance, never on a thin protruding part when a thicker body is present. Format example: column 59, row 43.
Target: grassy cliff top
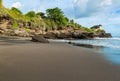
column 53, row 19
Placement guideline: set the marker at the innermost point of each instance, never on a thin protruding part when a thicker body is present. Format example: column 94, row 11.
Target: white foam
column 57, row 40
column 106, row 42
column 115, row 38
column 107, row 45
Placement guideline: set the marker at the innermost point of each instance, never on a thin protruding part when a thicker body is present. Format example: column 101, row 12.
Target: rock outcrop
column 14, row 23
column 74, row 34
column 6, row 28
column 27, row 29
column 12, row 26
column 39, row 38
column 103, row 35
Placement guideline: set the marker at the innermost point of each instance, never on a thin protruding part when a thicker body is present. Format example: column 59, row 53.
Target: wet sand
column 54, row 62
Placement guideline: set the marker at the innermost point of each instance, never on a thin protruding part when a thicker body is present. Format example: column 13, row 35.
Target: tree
column 16, row 10
column 71, row 21
column 31, row 14
column 54, row 13
column 41, row 14
column 57, row 15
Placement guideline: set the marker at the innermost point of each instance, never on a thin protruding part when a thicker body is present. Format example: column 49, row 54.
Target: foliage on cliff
column 52, row 19
column 0, row 3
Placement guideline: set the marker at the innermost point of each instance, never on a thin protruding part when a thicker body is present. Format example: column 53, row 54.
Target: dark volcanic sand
column 54, row 62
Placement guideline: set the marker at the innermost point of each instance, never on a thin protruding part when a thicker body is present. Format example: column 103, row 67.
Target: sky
column 84, row 12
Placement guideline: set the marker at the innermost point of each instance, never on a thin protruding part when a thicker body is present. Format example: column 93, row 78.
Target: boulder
column 64, row 36
column 83, row 35
column 108, row 35
column 83, row 45
column 50, row 35
column 39, row 38
column 103, row 34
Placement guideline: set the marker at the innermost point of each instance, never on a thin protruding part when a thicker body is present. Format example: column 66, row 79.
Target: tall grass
column 0, row 3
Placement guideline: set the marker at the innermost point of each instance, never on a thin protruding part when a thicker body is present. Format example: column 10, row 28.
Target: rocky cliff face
column 12, row 27
column 26, row 29
column 74, row 34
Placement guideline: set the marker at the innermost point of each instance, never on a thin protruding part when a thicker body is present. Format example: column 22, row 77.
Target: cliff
column 14, row 23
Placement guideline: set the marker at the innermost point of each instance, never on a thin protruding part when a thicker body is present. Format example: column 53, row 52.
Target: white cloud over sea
column 85, row 12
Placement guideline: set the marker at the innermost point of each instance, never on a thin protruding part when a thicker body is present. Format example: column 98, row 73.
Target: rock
column 27, row 29
column 39, row 31
column 1, row 31
column 83, row 35
column 78, row 35
column 83, row 45
column 39, row 38
column 64, row 36
column 20, row 23
column 52, row 34
column 103, row 34
column 21, row 33
column 108, row 35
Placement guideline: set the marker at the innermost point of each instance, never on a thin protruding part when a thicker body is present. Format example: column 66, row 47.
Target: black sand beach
column 53, row 62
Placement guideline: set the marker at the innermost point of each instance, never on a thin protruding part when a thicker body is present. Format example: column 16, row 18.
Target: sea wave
column 105, row 42
column 107, row 45
column 58, row 40
column 114, row 38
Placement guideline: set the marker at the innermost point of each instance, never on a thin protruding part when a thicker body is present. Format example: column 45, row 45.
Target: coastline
column 54, row 62
column 28, row 53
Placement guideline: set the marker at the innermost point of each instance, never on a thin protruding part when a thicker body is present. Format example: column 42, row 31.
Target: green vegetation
column 31, row 14
column 97, row 28
column 41, row 14
column 52, row 19
column 89, row 30
column 0, row 3
column 16, row 14
column 27, row 29
column 15, row 10
column 15, row 25
column 57, row 17
column 100, row 31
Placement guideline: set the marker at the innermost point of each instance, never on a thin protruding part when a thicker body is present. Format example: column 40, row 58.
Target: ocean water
column 109, row 47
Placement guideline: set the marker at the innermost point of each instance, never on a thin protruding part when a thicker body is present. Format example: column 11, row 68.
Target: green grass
column 1, row 3
column 87, row 29
column 15, row 15
column 15, row 25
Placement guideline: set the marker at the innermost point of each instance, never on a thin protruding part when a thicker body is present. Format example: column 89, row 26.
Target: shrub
column 31, row 14
column 27, row 29
column 15, row 25
column 100, row 30
column 89, row 30
column 16, row 10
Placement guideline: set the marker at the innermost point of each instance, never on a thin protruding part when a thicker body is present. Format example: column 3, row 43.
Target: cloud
column 110, row 22
column 17, row 5
column 85, row 8
column 80, row 7
column 106, row 3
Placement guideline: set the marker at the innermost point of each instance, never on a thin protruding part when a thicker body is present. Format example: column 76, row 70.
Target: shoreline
column 54, row 62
